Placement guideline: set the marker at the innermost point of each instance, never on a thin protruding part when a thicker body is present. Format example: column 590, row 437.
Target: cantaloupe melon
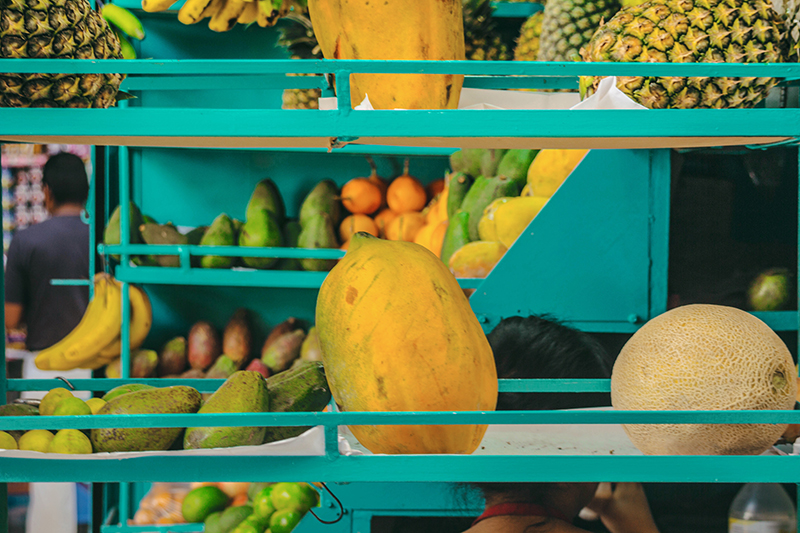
column 704, row 357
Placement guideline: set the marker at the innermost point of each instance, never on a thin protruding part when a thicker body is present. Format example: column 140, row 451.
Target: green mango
column 196, row 235
column 291, row 234
column 125, row 389
column 300, row 389
column 111, row 235
column 471, row 158
column 490, row 160
column 458, row 185
column 515, row 164
column 266, row 196
column 163, row 234
column 243, row 392
column 480, row 195
column 318, row 232
column 456, row 236
column 323, row 198
column 220, row 233
column 259, row 231
column 178, row 399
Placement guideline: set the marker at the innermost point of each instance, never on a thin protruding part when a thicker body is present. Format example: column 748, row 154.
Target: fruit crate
column 429, row 130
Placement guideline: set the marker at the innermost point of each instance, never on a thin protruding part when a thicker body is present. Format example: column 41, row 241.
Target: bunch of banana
column 95, row 341
column 224, row 14
column 126, row 26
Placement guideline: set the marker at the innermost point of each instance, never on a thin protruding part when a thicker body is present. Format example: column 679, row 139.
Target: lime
column 202, row 501
column 36, row 440
column 292, row 496
column 71, row 441
column 51, row 400
column 244, row 527
column 95, row 404
column 72, row 406
column 284, row 521
column 7, row 442
column 260, row 523
column 262, row 503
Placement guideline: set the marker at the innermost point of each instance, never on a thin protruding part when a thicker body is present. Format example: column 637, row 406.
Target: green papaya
column 243, row 392
column 178, row 399
column 163, row 234
column 323, row 198
column 481, row 194
column 220, row 233
column 111, row 235
column 266, row 196
column 458, row 184
column 490, row 160
column 515, row 164
column 457, row 234
column 300, row 389
column 318, row 232
column 291, row 235
column 261, row 230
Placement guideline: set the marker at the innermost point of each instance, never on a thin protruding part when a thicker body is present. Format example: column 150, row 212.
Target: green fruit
column 196, row 235
column 143, row 363
column 125, row 389
column 772, row 290
column 490, row 160
column 261, row 230
column 95, row 404
column 18, row 409
column 51, row 400
column 72, row 406
column 243, row 392
column 7, row 441
column 163, row 234
column 233, row 516
column 201, row 502
column 172, row 359
column 36, row 440
column 70, row 441
column 281, row 353
column 223, row 368
column 284, row 521
column 257, row 486
column 177, row 399
column 471, row 161
column 220, row 233
column 111, row 235
column 323, row 199
column 458, row 186
column 292, row 496
column 481, row 194
column 515, row 164
column 291, row 234
column 456, row 236
column 301, row 389
column 318, row 232
column 211, row 523
column 262, row 503
column 266, row 196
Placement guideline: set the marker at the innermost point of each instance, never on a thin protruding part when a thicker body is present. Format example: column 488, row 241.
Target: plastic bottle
column 762, row 508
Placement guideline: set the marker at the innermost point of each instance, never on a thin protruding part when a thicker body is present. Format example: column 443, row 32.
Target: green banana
column 125, row 46
column 123, row 19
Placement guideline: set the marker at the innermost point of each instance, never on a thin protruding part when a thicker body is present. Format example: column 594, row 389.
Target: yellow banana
column 225, row 18
column 212, row 9
column 52, row 358
column 268, row 12
column 153, row 6
column 141, row 321
column 192, row 11
column 250, row 13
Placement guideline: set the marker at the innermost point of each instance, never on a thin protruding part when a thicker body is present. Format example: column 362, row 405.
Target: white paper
column 608, row 96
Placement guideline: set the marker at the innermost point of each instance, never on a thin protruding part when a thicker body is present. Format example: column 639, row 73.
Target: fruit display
column 297, row 36
column 95, row 341
column 568, row 25
column 72, row 29
column 432, row 31
column 772, row 290
column 704, row 357
column 482, row 41
column 431, row 367
column 529, row 39
column 685, row 31
column 301, row 388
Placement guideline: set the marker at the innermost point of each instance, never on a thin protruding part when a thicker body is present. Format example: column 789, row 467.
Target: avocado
column 163, row 234
column 261, row 230
column 266, row 196
column 291, row 233
column 323, row 198
column 112, row 235
column 220, row 233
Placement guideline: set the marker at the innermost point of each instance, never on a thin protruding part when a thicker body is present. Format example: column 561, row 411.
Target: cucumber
column 299, row 389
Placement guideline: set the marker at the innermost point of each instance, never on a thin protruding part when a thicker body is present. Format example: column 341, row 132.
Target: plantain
column 192, row 11
column 225, row 18
column 250, row 13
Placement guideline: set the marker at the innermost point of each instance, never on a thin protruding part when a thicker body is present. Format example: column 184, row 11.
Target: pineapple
column 56, row 29
column 790, row 11
column 528, row 42
column 569, row 24
column 704, row 31
column 482, row 43
column 298, row 37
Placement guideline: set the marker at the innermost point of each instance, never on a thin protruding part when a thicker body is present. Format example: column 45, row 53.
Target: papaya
column 455, row 236
column 476, row 259
column 515, row 165
column 349, row 29
column 440, row 358
column 512, row 217
column 481, row 194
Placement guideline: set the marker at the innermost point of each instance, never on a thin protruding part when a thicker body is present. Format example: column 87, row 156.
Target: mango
column 487, row 231
column 243, row 392
column 513, row 217
column 458, row 184
column 291, row 234
column 550, row 168
column 163, row 234
column 287, row 326
column 220, row 233
column 456, row 235
column 223, row 368
column 257, row 365
column 203, row 345
column 318, row 232
column 261, row 230
column 281, row 354
column 143, row 363
column 476, row 259
column 266, row 196
column 178, row 399
column 323, row 199
column 237, row 337
column 172, row 359
column 515, row 164
column 490, row 160
column 481, row 194
column 310, row 350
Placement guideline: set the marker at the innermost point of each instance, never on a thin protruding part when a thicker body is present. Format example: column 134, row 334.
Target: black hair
column 65, row 176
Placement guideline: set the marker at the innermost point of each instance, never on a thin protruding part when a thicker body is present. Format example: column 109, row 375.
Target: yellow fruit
column 526, row 190
column 423, row 236
column 95, row 404
column 434, row 188
column 440, row 358
column 391, row 30
column 72, row 406
column 405, row 227
column 70, row 441
column 437, row 238
column 354, row 224
column 383, row 219
column 361, row 196
column 704, row 357
column 550, row 168
column 406, row 193
column 7, row 442
column 512, row 217
column 36, row 440
column 476, row 259
column 486, row 226
column 51, row 400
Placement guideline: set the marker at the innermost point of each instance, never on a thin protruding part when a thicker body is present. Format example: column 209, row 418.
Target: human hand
column 623, row 509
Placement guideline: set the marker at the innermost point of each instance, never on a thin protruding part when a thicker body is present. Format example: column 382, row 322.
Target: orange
column 437, row 238
column 405, row 227
column 383, row 219
column 354, row 224
column 434, row 188
column 406, row 193
column 359, row 195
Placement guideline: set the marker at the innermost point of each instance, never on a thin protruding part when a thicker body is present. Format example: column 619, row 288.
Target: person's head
column 65, row 182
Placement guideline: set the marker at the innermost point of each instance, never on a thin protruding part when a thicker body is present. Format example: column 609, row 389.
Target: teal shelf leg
column 124, row 503
column 3, row 399
column 92, row 221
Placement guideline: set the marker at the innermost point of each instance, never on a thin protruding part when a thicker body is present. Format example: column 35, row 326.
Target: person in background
column 536, row 347
column 57, row 248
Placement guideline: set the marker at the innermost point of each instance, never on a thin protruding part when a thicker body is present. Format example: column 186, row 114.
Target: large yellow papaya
column 398, row 334
column 394, row 29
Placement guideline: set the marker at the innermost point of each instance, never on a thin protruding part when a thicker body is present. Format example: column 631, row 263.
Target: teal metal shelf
column 516, row 9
